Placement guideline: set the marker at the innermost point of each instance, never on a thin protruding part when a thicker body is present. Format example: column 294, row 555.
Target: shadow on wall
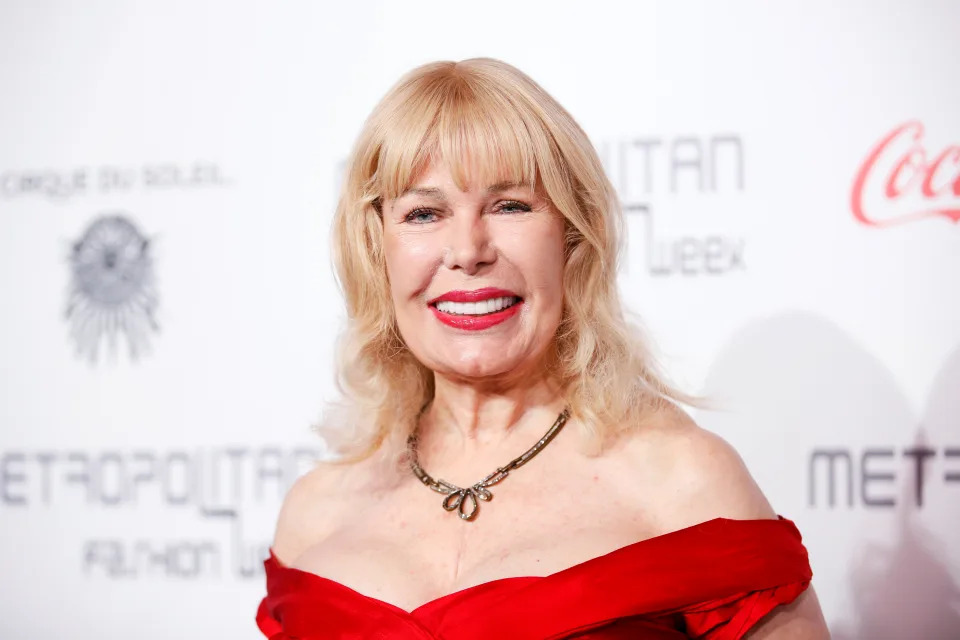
column 790, row 383
column 903, row 590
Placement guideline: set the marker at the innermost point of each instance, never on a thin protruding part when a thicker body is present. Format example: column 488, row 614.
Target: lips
column 475, row 322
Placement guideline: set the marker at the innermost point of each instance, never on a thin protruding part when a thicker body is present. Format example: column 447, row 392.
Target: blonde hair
column 493, row 115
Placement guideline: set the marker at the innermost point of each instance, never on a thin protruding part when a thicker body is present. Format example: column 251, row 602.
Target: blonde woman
column 514, row 466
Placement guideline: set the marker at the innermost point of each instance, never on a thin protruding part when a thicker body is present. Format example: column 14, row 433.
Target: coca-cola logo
column 901, row 181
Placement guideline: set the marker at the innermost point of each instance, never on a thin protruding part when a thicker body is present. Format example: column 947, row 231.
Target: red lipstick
column 475, row 323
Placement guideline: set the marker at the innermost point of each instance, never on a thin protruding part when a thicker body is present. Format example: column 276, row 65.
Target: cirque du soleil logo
column 112, row 292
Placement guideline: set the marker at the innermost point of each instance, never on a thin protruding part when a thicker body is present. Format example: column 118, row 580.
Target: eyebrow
column 501, row 186
column 425, row 191
column 440, row 195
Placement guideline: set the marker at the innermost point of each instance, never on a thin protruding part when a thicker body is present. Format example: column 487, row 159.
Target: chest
column 402, row 547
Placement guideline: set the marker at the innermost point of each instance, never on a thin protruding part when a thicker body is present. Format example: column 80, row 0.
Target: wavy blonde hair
column 509, row 128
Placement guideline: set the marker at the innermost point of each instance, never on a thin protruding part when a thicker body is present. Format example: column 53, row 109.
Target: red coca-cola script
column 901, row 181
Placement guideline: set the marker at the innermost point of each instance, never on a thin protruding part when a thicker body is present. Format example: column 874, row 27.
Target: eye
column 420, row 216
column 512, row 206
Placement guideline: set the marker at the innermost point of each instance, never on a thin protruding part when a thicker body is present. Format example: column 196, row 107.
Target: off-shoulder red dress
column 713, row 580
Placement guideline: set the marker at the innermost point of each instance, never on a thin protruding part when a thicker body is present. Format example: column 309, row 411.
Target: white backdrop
column 178, row 162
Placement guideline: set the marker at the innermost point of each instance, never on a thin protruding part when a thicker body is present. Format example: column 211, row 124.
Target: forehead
column 438, row 178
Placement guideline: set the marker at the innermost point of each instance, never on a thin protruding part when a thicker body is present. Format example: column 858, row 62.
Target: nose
column 469, row 246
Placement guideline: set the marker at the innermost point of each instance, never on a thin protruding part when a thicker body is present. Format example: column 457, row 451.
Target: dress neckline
column 556, row 575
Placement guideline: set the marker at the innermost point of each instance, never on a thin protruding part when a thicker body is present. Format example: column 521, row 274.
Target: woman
column 487, row 358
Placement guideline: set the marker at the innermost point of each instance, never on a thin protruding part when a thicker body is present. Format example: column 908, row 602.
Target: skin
column 437, row 239
column 377, row 530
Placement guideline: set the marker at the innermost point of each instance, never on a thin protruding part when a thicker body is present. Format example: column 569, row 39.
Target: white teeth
column 476, row 308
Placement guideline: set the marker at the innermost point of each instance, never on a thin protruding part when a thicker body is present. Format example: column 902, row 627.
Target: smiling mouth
column 481, row 308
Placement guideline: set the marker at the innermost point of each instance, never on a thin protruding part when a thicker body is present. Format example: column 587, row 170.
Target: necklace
column 457, row 497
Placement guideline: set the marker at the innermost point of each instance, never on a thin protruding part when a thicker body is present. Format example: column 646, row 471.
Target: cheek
column 410, row 262
column 539, row 255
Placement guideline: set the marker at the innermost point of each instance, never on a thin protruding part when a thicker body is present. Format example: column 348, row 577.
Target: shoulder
column 310, row 509
column 695, row 475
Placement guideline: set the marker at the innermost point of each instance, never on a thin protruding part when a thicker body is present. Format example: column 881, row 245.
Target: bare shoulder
column 695, row 474
column 309, row 510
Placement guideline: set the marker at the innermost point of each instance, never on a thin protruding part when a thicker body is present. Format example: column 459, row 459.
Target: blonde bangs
column 482, row 134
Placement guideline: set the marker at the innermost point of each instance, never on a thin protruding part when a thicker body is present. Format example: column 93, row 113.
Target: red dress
column 713, row 580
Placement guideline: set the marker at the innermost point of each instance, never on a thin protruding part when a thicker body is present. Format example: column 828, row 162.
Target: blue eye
column 420, row 216
column 512, row 206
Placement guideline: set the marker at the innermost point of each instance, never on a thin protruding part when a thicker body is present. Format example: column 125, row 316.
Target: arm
column 799, row 620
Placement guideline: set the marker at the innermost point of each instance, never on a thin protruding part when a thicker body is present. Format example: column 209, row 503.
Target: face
column 476, row 276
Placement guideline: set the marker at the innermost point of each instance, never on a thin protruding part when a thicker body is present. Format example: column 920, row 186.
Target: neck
column 477, row 415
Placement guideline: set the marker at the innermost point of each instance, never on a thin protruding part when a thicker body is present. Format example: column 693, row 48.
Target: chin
column 481, row 366
column 481, row 369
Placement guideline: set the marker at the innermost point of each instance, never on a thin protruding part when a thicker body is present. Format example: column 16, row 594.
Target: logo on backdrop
column 686, row 169
column 112, row 293
column 904, row 179
column 869, row 477
column 60, row 184
column 189, row 493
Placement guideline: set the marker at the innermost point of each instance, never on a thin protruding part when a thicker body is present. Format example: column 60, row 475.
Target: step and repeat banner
column 790, row 174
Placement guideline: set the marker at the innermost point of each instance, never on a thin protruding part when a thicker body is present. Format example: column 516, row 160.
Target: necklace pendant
column 457, row 501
